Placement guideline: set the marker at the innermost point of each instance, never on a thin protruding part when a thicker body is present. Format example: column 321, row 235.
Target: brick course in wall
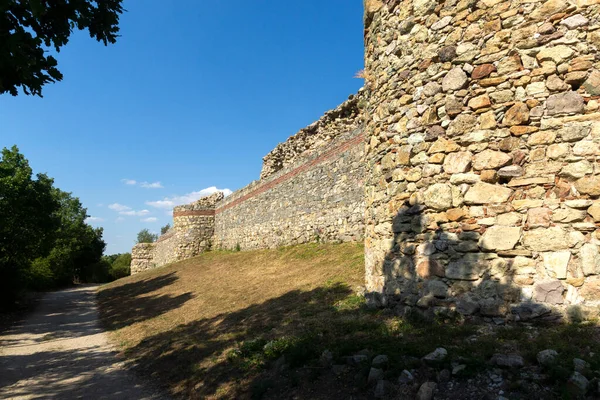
column 319, row 198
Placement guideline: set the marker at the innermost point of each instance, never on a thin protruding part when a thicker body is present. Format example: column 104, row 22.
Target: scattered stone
column 438, row 355
column 426, row 391
column 547, row 357
column 580, row 365
column 405, row 377
column 580, row 382
column 508, row 360
column 380, row 361
column 375, row 374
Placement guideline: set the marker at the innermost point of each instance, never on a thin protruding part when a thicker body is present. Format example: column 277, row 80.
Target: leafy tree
column 145, row 236
column 77, row 248
column 165, row 229
column 28, row 221
column 121, row 267
column 28, row 28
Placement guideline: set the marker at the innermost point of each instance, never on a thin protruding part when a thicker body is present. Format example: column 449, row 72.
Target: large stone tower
column 483, row 140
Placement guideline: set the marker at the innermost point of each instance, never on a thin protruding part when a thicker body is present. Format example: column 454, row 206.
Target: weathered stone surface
column 523, row 106
column 565, row 103
column 468, row 268
column 482, row 71
column 589, row 185
column 550, row 239
column 549, row 292
column 489, row 159
column 539, row 217
column 577, row 170
column 511, row 171
column 438, row 196
column 485, row 193
column 556, row 264
column 455, row 79
column 518, row 114
column 592, row 84
column 575, row 21
column 459, row 162
column 594, row 211
column 478, row 102
column 500, row 238
column 590, row 259
column 556, row 53
column 549, row 8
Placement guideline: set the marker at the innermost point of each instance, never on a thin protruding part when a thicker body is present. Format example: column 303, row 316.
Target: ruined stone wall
column 194, row 226
column 318, row 198
column 191, row 234
column 314, row 137
column 483, row 138
column 142, row 258
column 165, row 248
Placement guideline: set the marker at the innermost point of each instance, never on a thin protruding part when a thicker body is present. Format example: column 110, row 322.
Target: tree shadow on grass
column 232, row 355
column 134, row 302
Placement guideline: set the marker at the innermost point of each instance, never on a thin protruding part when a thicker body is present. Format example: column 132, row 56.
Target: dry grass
column 224, row 324
column 209, row 304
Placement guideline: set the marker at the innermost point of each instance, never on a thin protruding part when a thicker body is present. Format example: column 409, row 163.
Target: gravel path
column 60, row 352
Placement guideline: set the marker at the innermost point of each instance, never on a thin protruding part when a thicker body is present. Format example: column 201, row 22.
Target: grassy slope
column 216, row 327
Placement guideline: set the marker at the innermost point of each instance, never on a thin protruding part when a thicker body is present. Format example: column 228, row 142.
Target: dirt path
column 60, row 352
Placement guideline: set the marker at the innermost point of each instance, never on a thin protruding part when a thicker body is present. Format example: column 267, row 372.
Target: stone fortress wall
column 311, row 188
column 479, row 164
column 482, row 155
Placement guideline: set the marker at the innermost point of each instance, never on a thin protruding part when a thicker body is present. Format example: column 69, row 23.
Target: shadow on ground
column 134, row 302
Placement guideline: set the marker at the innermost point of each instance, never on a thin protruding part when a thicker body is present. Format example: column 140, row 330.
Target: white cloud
column 120, row 219
column 170, row 202
column 153, row 185
column 119, row 207
column 140, row 213
column 129, row 181
column 150, row 219
column 94, row 219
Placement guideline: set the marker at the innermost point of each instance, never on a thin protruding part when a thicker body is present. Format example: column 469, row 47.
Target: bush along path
column 60, row 351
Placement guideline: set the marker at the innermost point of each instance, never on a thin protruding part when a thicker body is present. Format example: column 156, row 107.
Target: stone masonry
column 483, row 139
column 311, row 189
column 469, row 162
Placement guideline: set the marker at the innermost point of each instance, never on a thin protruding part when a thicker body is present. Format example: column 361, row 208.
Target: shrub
column 121, row 267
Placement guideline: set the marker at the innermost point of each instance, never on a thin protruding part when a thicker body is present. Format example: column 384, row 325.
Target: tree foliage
column 28, row 220
column 44, row 239
column 29, row 28
column 121, row 267
column 165, row 229
column 145, row 236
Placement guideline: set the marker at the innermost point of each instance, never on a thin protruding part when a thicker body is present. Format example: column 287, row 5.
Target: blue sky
column 192, row 96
